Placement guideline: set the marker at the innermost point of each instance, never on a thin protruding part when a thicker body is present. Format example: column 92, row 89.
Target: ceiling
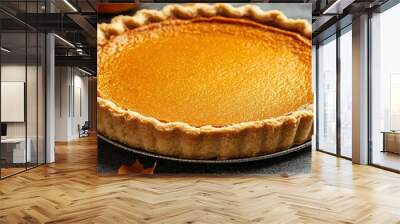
column 72, row 20
column 325, row 13
column 39, row 6
column 76, row 20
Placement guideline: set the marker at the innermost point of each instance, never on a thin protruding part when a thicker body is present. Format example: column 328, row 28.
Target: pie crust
column 182, row 140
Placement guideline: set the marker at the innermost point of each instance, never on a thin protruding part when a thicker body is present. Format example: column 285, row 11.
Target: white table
column 18, row 149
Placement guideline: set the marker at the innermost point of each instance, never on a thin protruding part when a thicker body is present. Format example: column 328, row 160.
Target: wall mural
column 204, row 88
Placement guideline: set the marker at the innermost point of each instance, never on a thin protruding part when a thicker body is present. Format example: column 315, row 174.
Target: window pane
column 386, row 89
column 327, row 96
column 346, row 94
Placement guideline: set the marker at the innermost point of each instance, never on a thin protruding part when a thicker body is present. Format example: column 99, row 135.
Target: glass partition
column 15, row 151
column 22, row 89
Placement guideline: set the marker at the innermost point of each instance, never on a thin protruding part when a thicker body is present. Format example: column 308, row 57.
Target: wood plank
column 70, row 191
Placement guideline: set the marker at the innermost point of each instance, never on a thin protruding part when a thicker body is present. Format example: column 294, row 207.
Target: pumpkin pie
column 203, row 81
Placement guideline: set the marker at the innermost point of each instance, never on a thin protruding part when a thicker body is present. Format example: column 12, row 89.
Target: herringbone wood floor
column 69, row 191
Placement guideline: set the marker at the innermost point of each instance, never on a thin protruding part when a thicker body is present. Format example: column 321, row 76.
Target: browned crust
column 182, row 140
column 179, row 139
column 120, row 24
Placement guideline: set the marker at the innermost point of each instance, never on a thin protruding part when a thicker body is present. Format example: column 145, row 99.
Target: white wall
column 33, row 127
column 16, row 72
column 80, row 110
column 71, row 93
column 61, row 103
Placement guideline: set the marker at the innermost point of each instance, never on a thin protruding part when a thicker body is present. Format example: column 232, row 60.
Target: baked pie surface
column 205, row 81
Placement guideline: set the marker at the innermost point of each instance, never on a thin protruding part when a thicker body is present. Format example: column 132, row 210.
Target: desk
column 13, row 150
column 391, row 141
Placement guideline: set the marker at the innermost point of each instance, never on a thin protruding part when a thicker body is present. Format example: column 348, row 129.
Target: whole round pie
column 203, row 81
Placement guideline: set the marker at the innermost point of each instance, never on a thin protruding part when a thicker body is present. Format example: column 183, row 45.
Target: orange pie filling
column 207, row 71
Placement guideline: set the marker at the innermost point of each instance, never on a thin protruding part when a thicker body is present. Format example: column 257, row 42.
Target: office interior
column 48, row 79
column 48, row 150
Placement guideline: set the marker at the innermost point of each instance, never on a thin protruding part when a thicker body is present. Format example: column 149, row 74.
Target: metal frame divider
column 338, row 76
column 37, row 91
column 26, row 89
column 0, row 93
column 369, row 78
column 316, row 96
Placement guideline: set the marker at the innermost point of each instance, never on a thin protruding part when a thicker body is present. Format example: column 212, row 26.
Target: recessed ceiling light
column 64, row 40
column 84, row 71
column 5, row 49
column 70, row 5
column 338, row 6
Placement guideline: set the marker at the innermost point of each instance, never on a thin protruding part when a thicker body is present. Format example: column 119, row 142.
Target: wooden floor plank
column 70, row 191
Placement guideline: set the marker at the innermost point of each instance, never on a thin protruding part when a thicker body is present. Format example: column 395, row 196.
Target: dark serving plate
column 214, row 161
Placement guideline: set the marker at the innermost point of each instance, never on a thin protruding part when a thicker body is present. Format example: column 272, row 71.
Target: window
column 385, row 89
column 346, row 92
column 327, row 96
